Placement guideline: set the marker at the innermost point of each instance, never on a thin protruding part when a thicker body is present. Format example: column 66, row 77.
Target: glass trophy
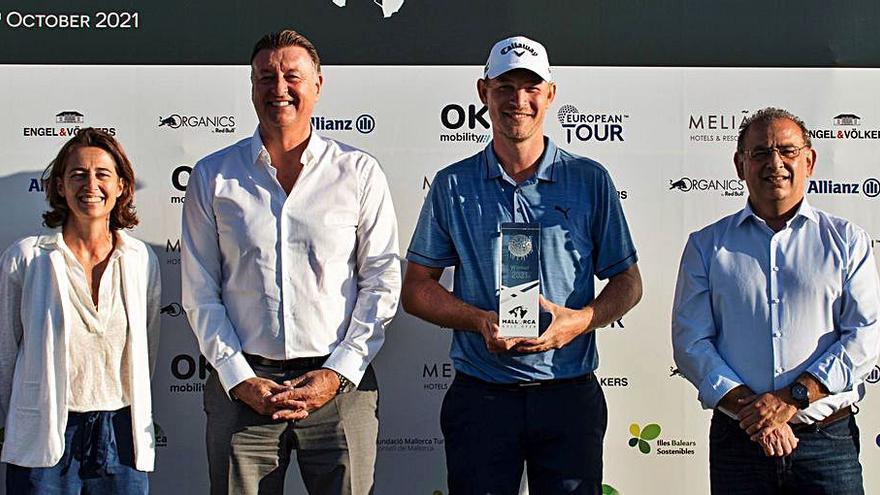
column 520, row 286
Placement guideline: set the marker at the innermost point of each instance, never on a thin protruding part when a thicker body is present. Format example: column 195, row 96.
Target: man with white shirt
column 290, row 274
column 775, row 321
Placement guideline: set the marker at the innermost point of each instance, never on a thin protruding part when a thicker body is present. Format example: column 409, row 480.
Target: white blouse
column 98, row 368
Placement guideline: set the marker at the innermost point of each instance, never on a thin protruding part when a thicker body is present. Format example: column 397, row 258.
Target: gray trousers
column 248, row 453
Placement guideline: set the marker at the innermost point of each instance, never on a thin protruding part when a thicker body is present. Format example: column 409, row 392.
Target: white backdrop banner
column 667, row 136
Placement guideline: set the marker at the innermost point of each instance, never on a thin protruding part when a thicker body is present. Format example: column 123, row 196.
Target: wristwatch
column 345, row 384
column 801, row 395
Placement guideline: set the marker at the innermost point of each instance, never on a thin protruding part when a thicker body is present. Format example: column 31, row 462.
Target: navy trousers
column 554, row 429
column 825, row 461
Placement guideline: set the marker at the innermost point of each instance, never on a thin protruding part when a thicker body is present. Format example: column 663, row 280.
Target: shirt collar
column 314, row 149
column 258, row 151
column 804, row 210
column 546, row 169
column 56, row 241
column 51, row 241
column 310, row 156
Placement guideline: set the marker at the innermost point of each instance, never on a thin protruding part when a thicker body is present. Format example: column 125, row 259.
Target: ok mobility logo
column 179, row 180
column 642, row 438
column 470, row 123
column 189, row 372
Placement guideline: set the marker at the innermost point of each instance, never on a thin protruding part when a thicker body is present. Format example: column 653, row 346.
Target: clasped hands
column 292, row 399
column 565, row 325
column 764, row 417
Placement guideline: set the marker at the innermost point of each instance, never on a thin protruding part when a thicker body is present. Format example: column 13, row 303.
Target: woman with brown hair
column 79, row 318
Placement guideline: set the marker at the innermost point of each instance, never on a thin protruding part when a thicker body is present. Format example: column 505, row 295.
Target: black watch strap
column 801, row 395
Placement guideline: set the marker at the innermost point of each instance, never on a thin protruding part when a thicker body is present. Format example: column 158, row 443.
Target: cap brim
column 492, row 74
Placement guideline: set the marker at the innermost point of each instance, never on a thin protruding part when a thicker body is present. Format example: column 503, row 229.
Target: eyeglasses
column 784, row 152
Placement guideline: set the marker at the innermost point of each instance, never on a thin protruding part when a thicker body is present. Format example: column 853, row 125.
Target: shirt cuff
column 827, row 406
column 831, row 372
column 716, row 385
column 347, row 363
column 233, row 371
column 618, row 267
column 430, row 262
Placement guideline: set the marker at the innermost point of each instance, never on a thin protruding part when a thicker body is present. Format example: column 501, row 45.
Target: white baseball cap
column 517, row 52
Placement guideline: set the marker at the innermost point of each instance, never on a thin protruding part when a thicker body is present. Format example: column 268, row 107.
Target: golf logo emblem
column 520, row 246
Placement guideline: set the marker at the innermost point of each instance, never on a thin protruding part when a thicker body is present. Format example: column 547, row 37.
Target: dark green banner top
column 690, row 33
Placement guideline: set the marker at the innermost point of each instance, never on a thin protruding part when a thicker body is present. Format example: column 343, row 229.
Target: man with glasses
column 775, row 322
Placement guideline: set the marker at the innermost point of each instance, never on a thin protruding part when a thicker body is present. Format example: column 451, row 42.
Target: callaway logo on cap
column 518, row 52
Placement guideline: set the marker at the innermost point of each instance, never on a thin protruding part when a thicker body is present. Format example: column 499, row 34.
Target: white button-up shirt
column 282, row 276
column 758, row 307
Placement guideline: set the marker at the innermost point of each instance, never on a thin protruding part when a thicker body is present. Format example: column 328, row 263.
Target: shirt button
column 779, row 370
column 777, row 334
column 775, row 268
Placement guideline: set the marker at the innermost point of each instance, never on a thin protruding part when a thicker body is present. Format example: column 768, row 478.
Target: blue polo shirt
column 583, row 234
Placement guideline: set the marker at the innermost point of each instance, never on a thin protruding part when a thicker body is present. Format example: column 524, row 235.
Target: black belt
column 835, row 416
column 577, row 380
column 796, row 427
column 303, row 363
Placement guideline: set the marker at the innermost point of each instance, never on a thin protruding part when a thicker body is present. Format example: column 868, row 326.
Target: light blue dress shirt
column 758, row 307
column 583, row 235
